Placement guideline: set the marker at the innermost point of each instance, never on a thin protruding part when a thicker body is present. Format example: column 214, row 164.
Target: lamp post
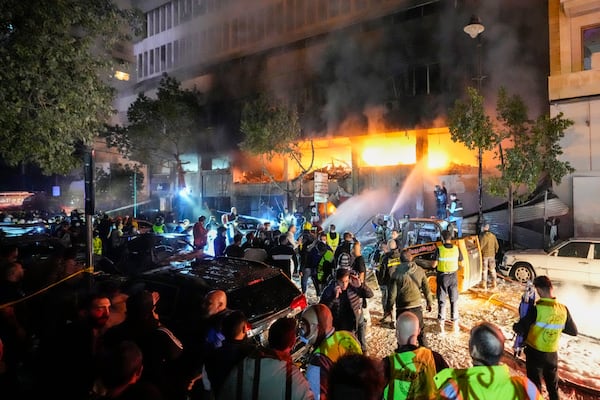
column 474, row 29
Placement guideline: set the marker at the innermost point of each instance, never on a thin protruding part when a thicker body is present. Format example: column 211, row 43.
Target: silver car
column 576, row 260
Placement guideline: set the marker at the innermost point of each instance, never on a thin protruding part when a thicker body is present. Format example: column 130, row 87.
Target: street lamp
column 474, row 28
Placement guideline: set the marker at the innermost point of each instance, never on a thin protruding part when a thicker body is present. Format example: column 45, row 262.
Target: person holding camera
column 344, row 297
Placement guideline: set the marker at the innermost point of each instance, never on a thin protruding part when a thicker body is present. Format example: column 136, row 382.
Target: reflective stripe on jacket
column 411, row 375
column 549, row 323
column 448, row 259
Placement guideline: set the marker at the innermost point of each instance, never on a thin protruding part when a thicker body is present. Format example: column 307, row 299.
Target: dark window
column 590, row 42
column 574, row 249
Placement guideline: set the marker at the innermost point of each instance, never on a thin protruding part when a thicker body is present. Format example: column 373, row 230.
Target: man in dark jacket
column 408, row 284
column 344, row 297
column 389, row 262
column 283, row 256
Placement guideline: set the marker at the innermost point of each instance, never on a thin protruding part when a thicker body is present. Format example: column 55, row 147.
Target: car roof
column 584, row 239
column 224, row 273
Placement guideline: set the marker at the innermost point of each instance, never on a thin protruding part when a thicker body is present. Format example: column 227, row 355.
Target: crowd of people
column 64, row 335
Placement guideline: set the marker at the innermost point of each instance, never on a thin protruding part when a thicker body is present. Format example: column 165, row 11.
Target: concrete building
column 574, row 90
column 369, row 76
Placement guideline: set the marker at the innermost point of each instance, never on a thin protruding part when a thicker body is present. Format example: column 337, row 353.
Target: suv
column 576, row 260
column 261, row 291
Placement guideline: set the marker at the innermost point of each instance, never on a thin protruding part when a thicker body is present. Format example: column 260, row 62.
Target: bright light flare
column 331, row 208
column 390, row 151
column 437, row 159
column 185, row 192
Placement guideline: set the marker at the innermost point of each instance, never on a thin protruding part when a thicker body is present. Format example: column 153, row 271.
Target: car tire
column 522, row 272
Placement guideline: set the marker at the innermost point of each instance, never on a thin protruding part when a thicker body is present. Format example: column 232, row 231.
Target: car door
column 571, row 263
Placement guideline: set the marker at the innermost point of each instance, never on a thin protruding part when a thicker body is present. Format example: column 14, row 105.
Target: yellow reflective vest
column 338, row 344
column 411, row 375
column 448, row 259
column 483, row 382
column 333, row 243
column 549, row 323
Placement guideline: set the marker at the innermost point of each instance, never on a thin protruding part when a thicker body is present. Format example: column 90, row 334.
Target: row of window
column 177, row 12
column 271, row 20
column 293, row 13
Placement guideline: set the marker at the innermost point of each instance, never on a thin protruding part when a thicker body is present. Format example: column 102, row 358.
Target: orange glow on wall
column 442, row 152
column 373, row 150
column 385, row 150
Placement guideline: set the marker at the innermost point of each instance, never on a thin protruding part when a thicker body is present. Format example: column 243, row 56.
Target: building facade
column 359, row 71
column 574, row 90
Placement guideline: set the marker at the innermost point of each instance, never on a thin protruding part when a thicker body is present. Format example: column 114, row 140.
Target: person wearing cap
column 542, row 326
column 489, row 247
column 409, row 371
column 316, row 329
column 487, row 378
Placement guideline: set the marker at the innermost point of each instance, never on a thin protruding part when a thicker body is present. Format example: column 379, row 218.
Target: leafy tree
column 273, row 128
column 163, row 128
column 534, row 152
column 469, row 124
column 55, row 74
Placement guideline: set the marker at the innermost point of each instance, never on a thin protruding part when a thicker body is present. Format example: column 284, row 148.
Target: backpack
column 345, row 260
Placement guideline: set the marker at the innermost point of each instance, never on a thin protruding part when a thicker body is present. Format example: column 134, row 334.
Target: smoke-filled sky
column 353, row 72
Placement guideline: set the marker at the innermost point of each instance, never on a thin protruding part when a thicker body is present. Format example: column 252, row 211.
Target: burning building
column 372, row 81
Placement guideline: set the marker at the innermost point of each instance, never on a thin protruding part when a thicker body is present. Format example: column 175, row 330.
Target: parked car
column 576, row 260
column 261, row 291
column 34, row 249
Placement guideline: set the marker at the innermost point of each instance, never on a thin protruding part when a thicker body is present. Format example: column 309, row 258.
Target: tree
column 273, row 128
column 163, row 128
column 534, row 152
column 469, row 124
column 55, row 75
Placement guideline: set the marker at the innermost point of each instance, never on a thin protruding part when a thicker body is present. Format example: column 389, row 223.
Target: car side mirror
column 554, row 253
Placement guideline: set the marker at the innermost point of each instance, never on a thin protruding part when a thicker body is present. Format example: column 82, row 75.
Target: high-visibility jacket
column 338, row 344
column 483, row 382
column 97, row 245
column 411, row 375
column 333, row 242
column 325, row 265
column 551, row 317
column 448, row 258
